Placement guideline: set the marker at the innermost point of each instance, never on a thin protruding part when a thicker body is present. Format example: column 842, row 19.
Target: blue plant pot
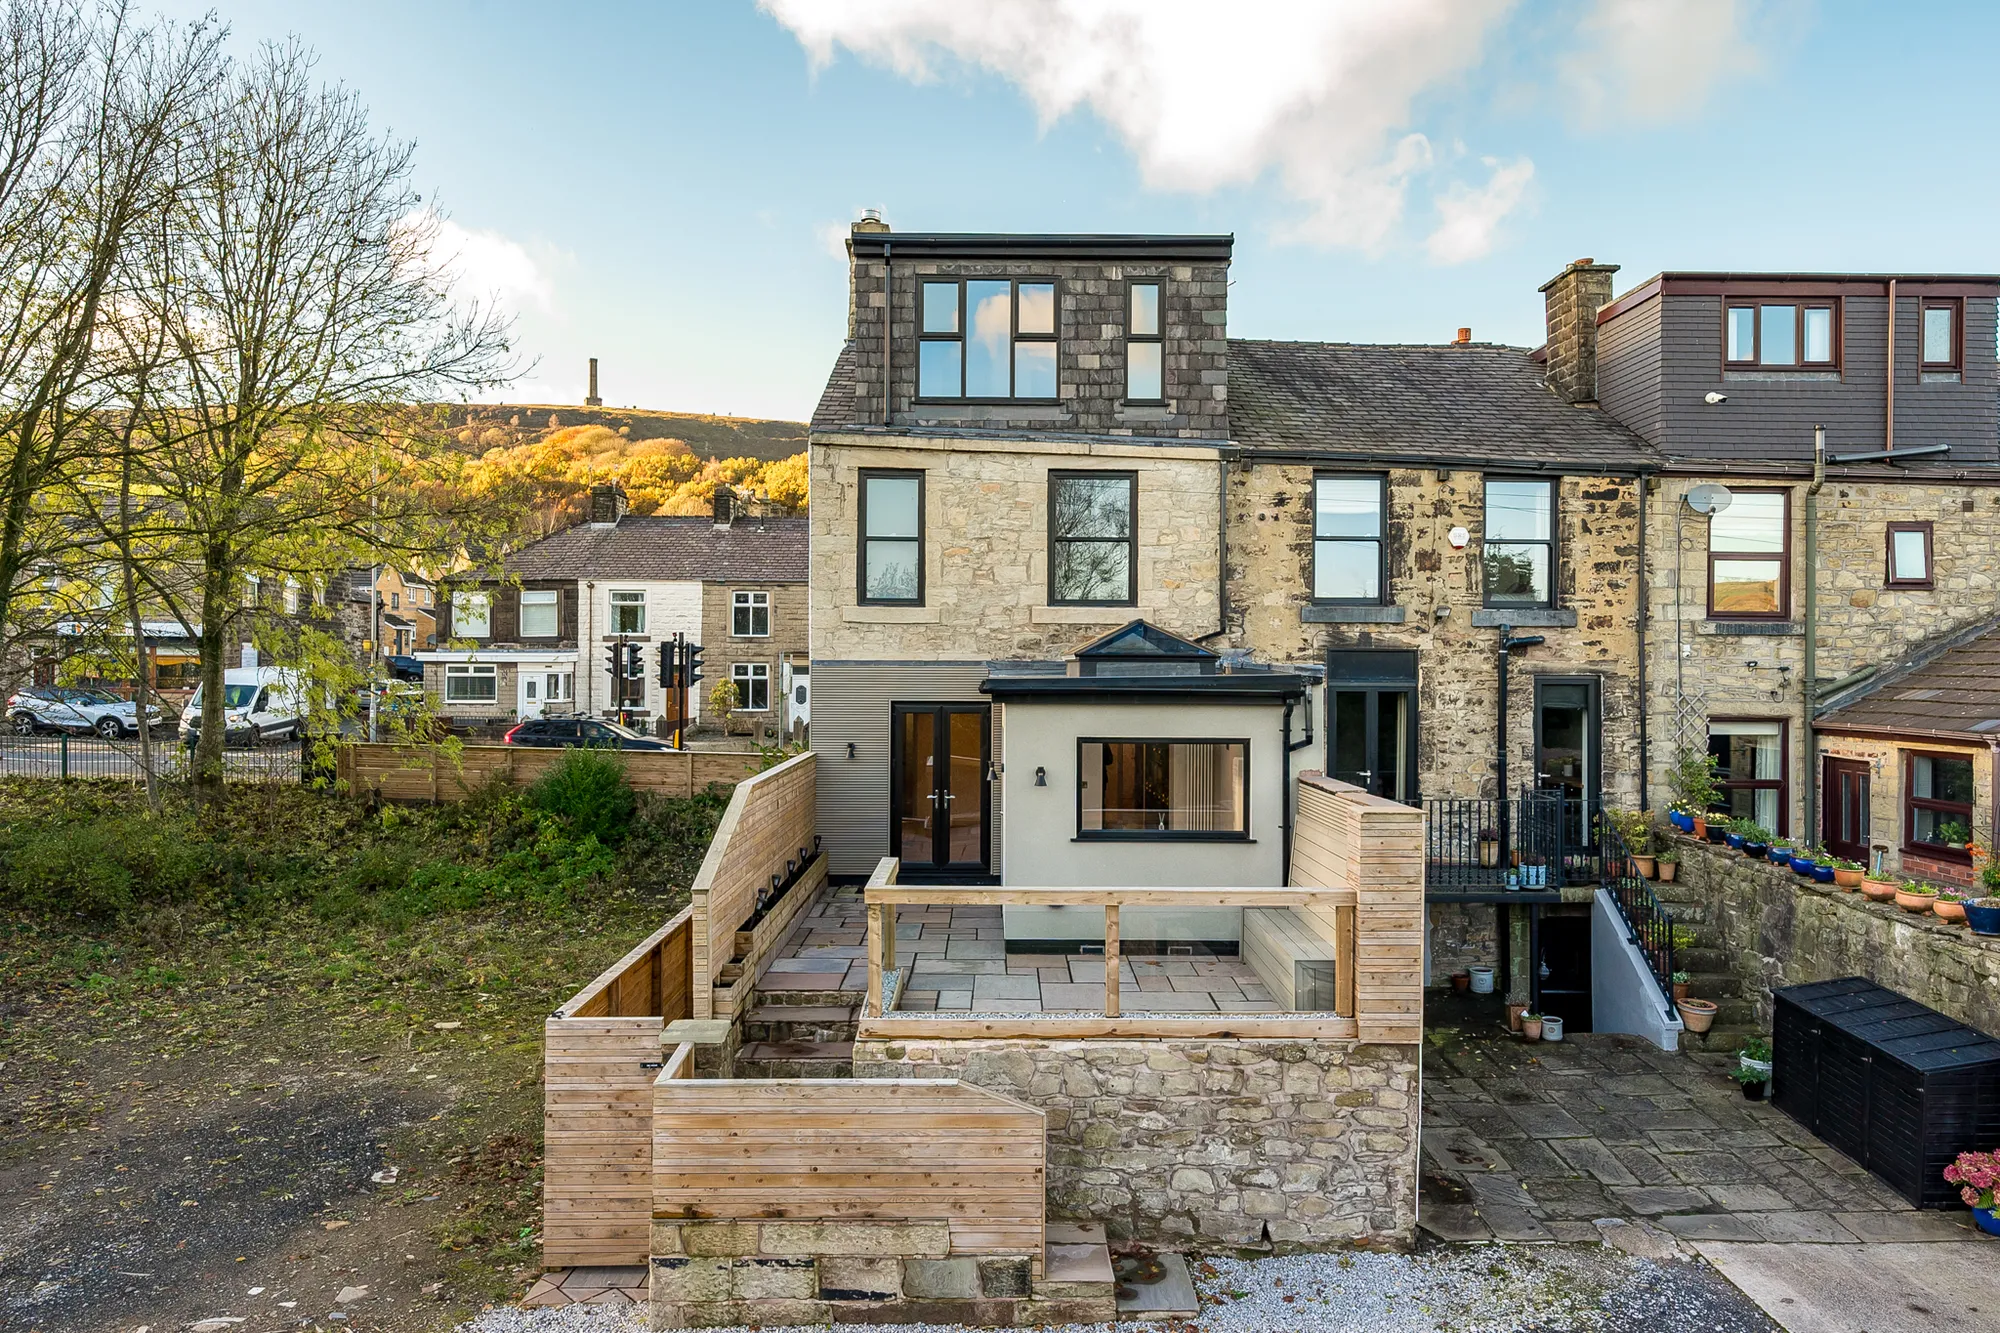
column 1779, row 856
column 1685, row 823
column 1982, row 920
column 1988, row 1218
column 1803, row 865
column 1824, row 874
column 1734, row 840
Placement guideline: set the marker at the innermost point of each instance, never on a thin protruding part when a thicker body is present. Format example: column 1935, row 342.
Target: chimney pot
column 871, row 220
column 1464, row 336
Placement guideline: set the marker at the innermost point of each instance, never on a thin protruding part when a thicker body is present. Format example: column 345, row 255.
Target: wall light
column 1041, row 777
column 850, row 749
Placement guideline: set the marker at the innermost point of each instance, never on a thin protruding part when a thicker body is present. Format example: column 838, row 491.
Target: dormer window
column 987, row 340
column 1781, row 335
column 1145, row 380
column 1940, row 335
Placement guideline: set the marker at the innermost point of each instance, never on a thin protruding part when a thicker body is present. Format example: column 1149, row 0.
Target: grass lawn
column 256, row 1059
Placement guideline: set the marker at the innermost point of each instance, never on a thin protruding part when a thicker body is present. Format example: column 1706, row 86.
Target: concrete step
column 800, row 1022
column 1073, row 1269
column 796, row 1059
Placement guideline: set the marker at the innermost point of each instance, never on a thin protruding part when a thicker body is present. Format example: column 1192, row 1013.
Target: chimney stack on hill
column 592, row 400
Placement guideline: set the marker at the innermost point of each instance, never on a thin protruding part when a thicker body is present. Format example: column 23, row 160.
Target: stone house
column 578, row 622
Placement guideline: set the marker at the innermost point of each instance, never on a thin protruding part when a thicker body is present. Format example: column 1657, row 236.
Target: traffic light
column 635, row 662
column 612, row 652
column 670, row 670
column 694, row 665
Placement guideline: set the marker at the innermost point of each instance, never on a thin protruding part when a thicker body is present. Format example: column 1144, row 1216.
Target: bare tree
column 92, row 112
column 305, row 323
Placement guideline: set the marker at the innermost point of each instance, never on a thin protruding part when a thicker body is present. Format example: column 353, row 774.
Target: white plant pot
column 1552, row 1029
column 1482, row 980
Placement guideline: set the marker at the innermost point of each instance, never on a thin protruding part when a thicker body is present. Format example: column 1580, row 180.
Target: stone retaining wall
column 1775, row 929
column 1298, row 1144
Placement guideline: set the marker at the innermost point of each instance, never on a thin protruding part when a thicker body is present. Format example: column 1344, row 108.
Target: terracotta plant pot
column 1645, row 866
column 1877, row 890
column 1489, row 853
column 1700, row 829
column 1915, row 902
column 1952, row 912
column 1514, row 1012
column 1668, row 869
column 1696, row 1015
column 1531, row 1029
column 1461, row 982
column 1847, row 879
column 1680, row 991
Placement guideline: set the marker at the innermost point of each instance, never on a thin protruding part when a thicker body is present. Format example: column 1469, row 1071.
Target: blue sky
column 661, row 185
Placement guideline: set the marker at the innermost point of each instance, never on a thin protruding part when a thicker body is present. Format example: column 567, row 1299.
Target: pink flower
column 1954, row 1175
column 1971, row 1197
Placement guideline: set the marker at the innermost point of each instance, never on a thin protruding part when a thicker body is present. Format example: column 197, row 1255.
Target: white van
column 258, row 704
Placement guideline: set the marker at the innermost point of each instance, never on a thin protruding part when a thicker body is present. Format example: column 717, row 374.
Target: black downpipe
column 1639, row 634
column 1285, row 780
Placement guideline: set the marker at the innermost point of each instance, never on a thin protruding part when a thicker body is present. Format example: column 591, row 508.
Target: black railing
column 1649, row 924
column 70, row 757
column 1544, row 838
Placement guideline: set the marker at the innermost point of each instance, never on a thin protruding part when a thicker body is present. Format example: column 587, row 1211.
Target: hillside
column 705, row 436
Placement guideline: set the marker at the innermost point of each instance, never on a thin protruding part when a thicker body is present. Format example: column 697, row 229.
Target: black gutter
column 1261, row 687
column 1639, row 637
column 1453, row 462
column 1285, row 785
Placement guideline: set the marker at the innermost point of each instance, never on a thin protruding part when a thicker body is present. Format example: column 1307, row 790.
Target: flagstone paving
column 1539, row 1142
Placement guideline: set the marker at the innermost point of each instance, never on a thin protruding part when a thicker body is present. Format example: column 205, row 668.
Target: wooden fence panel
column 830, row 1150
column 1344, row 836
column 770, row 817
column 419, row 773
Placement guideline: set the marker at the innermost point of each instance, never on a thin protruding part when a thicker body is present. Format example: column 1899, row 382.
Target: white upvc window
column 753, row 686
column 628, row 611
column 750, row 615
column 471, row 683
column 472, row 615
column 539, row 607
column 548, row 687
column 291, row 597
column 253, row 589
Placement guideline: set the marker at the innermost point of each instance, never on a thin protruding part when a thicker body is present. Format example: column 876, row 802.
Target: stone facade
column 1775, row 929
column 1885, row 799
column 1740, row 669
column 1091, row 338
column 986, row 548
column 1211, row 1143
column 723, row 649
column 1439, row 593
column 718, row 1274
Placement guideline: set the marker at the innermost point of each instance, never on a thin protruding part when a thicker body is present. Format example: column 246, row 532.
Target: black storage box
column 1898, row 1087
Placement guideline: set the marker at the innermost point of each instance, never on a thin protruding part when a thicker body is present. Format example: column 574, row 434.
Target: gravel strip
column 1459, row 1289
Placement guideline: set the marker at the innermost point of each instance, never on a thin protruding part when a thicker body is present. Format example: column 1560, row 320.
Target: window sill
column 1166, row 836
column 1081, row 615
column 1352, row 615
column 1524, row 617
column 958, row 413
column 1936, row 852
column 631, row 637
column 889, row 615
column 1912, row 586
column 1774, row 629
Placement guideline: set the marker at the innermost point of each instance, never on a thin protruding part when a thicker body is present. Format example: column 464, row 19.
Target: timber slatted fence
column 601, row 1054
column 418, row 773
column 847, row 1150
column 1376, row 846
column 761, row 870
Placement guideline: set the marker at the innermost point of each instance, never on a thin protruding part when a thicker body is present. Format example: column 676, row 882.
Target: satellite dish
column 1709, row 498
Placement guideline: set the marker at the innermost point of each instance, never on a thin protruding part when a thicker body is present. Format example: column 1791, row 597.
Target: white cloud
column 1657, row 60
column 483, row 265
column 1322, row 95
column 1468, row 215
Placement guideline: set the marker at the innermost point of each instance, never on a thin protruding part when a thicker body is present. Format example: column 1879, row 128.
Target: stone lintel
column 1524, row 617
column 1352, row 615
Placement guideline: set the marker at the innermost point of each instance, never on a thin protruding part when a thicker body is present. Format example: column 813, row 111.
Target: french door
column 940, row 759
column 1845, row 809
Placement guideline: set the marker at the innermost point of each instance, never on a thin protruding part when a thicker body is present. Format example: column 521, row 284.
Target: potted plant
column 1696, row 1015
column 1489, row 848
column 1847, row 874
column 1669, row 864
column 1756, row 839
column 1482, row 980
column 1878, row 890
column 1534, row 871
column 1823, row 866
column 1695, row 786
column 1753, row 1067
column 1681, row 981
column 1680, row 818
column 1753, row 1083
column 1514, row 1012
column 1461, row 982
column 1802, row 861
column 1914, row 897
column 1552, row 1027
column 1781, row 852
column 1954, row 834
column 1635, row 830
column 1531, row 1027
column 1983, row 915
column 1949, row 906
column 1977, row 1175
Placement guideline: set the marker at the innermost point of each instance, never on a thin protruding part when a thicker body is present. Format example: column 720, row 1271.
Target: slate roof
column 835, row 408
column 1455, row 404
column 754, row 550
column 1956, row 692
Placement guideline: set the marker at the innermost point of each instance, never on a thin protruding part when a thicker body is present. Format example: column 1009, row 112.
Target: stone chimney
column 1574, row 296
column 592, row 400
column 870, row 221
column 725, row 506
column 607, row 505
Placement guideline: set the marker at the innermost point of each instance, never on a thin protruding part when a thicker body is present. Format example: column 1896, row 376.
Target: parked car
column 568, row 731
column 80, row 711
column 406, row 668
column 258, row 704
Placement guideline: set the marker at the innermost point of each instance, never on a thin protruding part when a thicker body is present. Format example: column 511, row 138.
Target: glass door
column 1370, row 740
column 1566, row 758
column 1845, row 802
column 938, row 780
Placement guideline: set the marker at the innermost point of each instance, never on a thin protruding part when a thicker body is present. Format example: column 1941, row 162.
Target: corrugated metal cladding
column 851, row 705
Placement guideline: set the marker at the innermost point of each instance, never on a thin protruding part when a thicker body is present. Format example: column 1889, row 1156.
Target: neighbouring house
column 398, row 614
column 577, row 622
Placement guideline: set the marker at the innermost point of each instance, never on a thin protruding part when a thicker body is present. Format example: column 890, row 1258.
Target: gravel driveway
column 1453, row 1289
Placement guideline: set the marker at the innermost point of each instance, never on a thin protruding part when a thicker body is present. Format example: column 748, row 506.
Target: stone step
column 796, row 1059
column 1076, row 1269
column 1707, row 985
column 800, row 1022
column 771, row 990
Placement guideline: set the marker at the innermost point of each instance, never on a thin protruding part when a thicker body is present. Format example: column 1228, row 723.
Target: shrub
column 587, row 790
column 70, row 869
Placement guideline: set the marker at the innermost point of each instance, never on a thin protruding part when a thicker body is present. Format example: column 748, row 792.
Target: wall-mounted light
column 1041, row 777
column 850, row 749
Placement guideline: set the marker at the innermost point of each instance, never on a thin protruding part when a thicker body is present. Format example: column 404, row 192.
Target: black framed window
column 1940, row 333
column 1145, row 347
column 892, row 537
column 1347, row 538
column 1164, row 790
column 986, row 339
column 1520, row 546
column 1782, row 335
column 1093, row 538
column 1938, row 796
column 1750, row 557
column 1909, row 555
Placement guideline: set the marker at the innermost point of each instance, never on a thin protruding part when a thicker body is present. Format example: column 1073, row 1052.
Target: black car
column 566, row 731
